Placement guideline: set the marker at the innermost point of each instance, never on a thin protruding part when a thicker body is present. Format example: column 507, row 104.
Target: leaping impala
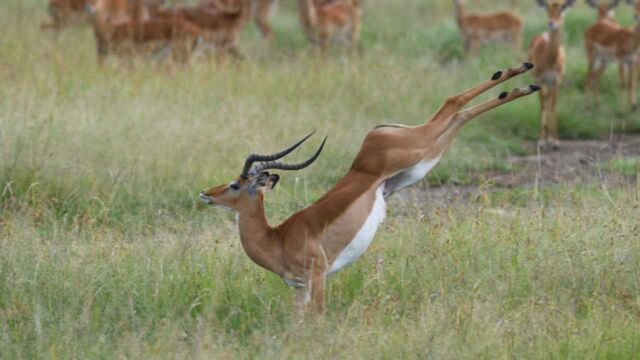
column 547, row 53
column 334, row 231
column 607, row 41
column 477, row 29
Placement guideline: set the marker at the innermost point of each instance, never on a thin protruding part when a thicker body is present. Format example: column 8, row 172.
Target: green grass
column 625, row 166
column 106, row 252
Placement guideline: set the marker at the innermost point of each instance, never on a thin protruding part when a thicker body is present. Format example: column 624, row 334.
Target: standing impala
column 334, row 231
column 477, row 29
column 325, row 20
column 547, row 53
column 606, row 41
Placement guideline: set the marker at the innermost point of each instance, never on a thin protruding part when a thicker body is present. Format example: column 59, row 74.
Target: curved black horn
column 257, row 157
column 282, row 166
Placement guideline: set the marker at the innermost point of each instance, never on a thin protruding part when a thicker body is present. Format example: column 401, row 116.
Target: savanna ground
column 106, row 252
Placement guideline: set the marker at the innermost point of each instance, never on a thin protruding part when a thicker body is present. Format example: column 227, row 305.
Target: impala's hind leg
column 454, row 103
column 468, row 114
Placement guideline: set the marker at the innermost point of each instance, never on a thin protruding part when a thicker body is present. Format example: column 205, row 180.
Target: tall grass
column 105, row 250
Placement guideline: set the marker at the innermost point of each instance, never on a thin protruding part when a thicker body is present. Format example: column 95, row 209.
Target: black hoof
column 497, row 75
column 534, row 87
column 528, row 65
column 503, row 95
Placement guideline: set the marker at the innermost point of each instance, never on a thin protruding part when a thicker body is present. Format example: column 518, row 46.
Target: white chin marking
column 365, row 235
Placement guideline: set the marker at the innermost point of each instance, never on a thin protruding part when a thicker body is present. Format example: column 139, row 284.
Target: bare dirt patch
column 575, row 162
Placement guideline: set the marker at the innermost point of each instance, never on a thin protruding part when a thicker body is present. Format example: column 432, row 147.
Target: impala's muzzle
column 553, row 25
column 205, row 198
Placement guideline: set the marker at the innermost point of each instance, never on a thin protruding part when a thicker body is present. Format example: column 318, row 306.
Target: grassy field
column 105, row 250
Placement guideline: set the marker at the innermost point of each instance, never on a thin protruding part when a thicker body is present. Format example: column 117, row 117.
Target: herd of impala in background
column 128, row 26
column 134, row 25
column 333, row 232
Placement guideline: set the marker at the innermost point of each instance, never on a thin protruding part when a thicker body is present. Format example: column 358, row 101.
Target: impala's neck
column 258, row 238
column 555, row 42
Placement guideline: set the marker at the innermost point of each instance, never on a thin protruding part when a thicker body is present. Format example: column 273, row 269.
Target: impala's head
column 605, row 8
column 555, row 11
column 255, row 179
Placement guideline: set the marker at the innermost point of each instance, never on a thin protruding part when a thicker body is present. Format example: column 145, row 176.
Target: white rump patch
column 365, row 235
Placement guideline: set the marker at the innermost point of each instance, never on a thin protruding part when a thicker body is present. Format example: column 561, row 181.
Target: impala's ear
column 272, row 182
column 266, row 181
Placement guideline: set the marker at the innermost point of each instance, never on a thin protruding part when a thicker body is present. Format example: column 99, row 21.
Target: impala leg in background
column 261, row 17
column 595, row 83
column 622, row 71
column 544, row 95
column 552, row 119
column 633, row 80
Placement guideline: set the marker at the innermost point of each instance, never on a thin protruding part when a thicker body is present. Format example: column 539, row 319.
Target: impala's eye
column 234, row 186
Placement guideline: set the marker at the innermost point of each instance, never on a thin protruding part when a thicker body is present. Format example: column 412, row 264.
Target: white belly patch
column 411, row 175
column 365, row 235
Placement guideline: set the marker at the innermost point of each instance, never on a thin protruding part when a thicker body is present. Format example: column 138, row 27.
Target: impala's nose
column 553, row 25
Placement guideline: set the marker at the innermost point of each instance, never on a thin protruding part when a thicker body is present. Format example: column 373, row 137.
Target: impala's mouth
column 205, row 198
